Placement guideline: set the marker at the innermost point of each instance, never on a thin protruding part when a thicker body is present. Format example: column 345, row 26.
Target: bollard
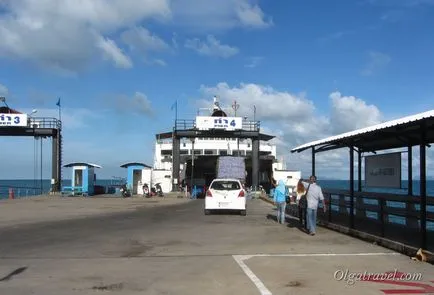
column 11, row 193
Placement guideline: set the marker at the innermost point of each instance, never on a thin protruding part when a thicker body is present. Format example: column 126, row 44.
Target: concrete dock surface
column 151, row 246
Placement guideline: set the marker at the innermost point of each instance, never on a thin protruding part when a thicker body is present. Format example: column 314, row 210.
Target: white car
column 225, row 194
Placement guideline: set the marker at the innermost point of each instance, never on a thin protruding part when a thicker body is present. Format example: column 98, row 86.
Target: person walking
column 313, row 195
column 301, row 204
column 279, row 197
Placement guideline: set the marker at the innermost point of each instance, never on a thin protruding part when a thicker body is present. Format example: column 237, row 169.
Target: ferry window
column 198, row 152
column 166, row 152
column 183, row 152
column 210, row 152
column 223, row 152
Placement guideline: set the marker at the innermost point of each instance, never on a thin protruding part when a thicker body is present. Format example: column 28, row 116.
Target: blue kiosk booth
column 137, row 173
column 83, row 179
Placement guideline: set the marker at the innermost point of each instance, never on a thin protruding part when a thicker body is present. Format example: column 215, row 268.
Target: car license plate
column 223, row 204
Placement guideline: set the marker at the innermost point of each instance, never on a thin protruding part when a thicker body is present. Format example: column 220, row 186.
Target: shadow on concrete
column 224, row 212
column 13, row 273
column 290, row 222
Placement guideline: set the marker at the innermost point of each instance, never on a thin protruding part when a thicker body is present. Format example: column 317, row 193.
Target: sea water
column 27, row 188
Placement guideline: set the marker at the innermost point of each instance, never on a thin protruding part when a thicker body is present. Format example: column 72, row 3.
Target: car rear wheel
column 243, row 213
column 207, row 212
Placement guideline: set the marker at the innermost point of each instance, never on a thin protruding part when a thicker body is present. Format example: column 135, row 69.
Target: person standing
column 313, row 196
column 279, row 197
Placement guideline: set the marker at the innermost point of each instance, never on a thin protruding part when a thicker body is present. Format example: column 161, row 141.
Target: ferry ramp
column 178, row 250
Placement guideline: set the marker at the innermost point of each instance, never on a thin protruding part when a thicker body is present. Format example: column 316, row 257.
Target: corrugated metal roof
column 377, row 127
column 135, row 164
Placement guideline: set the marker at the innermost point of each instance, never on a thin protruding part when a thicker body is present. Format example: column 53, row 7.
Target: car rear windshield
column 226, row 185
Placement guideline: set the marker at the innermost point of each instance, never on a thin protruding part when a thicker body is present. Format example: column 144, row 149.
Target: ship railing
column 390, row 216
column 182, row 124
column 44, row 122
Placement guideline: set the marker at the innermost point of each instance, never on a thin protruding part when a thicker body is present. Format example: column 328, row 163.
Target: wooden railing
column 390, row 216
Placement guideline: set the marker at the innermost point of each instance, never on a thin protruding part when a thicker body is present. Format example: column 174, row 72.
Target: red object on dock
column 11, row 194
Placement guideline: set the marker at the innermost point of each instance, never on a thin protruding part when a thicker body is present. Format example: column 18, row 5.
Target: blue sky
column 315, row 68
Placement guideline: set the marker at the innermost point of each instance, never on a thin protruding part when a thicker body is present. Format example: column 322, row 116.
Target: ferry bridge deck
column 187, row 129
column 355, row 207
column 37, row 127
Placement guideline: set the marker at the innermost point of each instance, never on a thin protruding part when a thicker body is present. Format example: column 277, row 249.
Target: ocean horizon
column 29, row 187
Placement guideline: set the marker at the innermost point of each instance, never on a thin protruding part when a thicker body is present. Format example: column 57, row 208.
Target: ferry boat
column 200, row 170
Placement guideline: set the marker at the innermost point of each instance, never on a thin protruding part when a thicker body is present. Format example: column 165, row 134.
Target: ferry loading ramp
column 187, row 129
column 406, row 132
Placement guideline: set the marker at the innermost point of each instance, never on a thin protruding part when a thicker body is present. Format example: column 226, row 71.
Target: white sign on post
column 383, row 170
column 226, row 123
column 13, row 120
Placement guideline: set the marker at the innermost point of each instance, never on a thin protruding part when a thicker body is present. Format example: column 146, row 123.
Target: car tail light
column 208, row 193
column 241, row 194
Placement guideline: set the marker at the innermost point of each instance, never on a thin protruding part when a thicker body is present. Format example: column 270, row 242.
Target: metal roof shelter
column 414, row 130
column 387, row 135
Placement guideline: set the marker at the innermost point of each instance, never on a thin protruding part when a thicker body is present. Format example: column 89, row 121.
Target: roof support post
column 175, row 163
column 411, row 222
column 410, row 170
column 313, row 161
column 351, row 186
column 359, row 167
column 422, row 167
column 56, row 161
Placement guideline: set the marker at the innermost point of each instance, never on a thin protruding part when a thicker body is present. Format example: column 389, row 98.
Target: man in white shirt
column 313, row 196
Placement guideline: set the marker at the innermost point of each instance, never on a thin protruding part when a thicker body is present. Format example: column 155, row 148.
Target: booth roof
column 135, row 164
column 82, row 164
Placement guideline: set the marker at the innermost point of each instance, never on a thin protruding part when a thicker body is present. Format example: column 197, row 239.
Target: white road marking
column 325, row 254
column 260, row 285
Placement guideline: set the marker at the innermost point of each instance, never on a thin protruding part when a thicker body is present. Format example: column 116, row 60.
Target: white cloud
column 254, row 61
column 3, row 90
column 271, row 104
column 294, row 119
column 139, row 38
column 377, row 61
column 211, row 47
column 252, row 15
column 211, row 15
column 113, row 52
column 350, row 113
column 72, row 118
column 67, row 37
column 335, row 36
column 138, row 103
column 159, row 62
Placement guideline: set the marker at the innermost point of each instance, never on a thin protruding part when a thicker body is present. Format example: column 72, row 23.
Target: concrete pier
column 168, row 246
